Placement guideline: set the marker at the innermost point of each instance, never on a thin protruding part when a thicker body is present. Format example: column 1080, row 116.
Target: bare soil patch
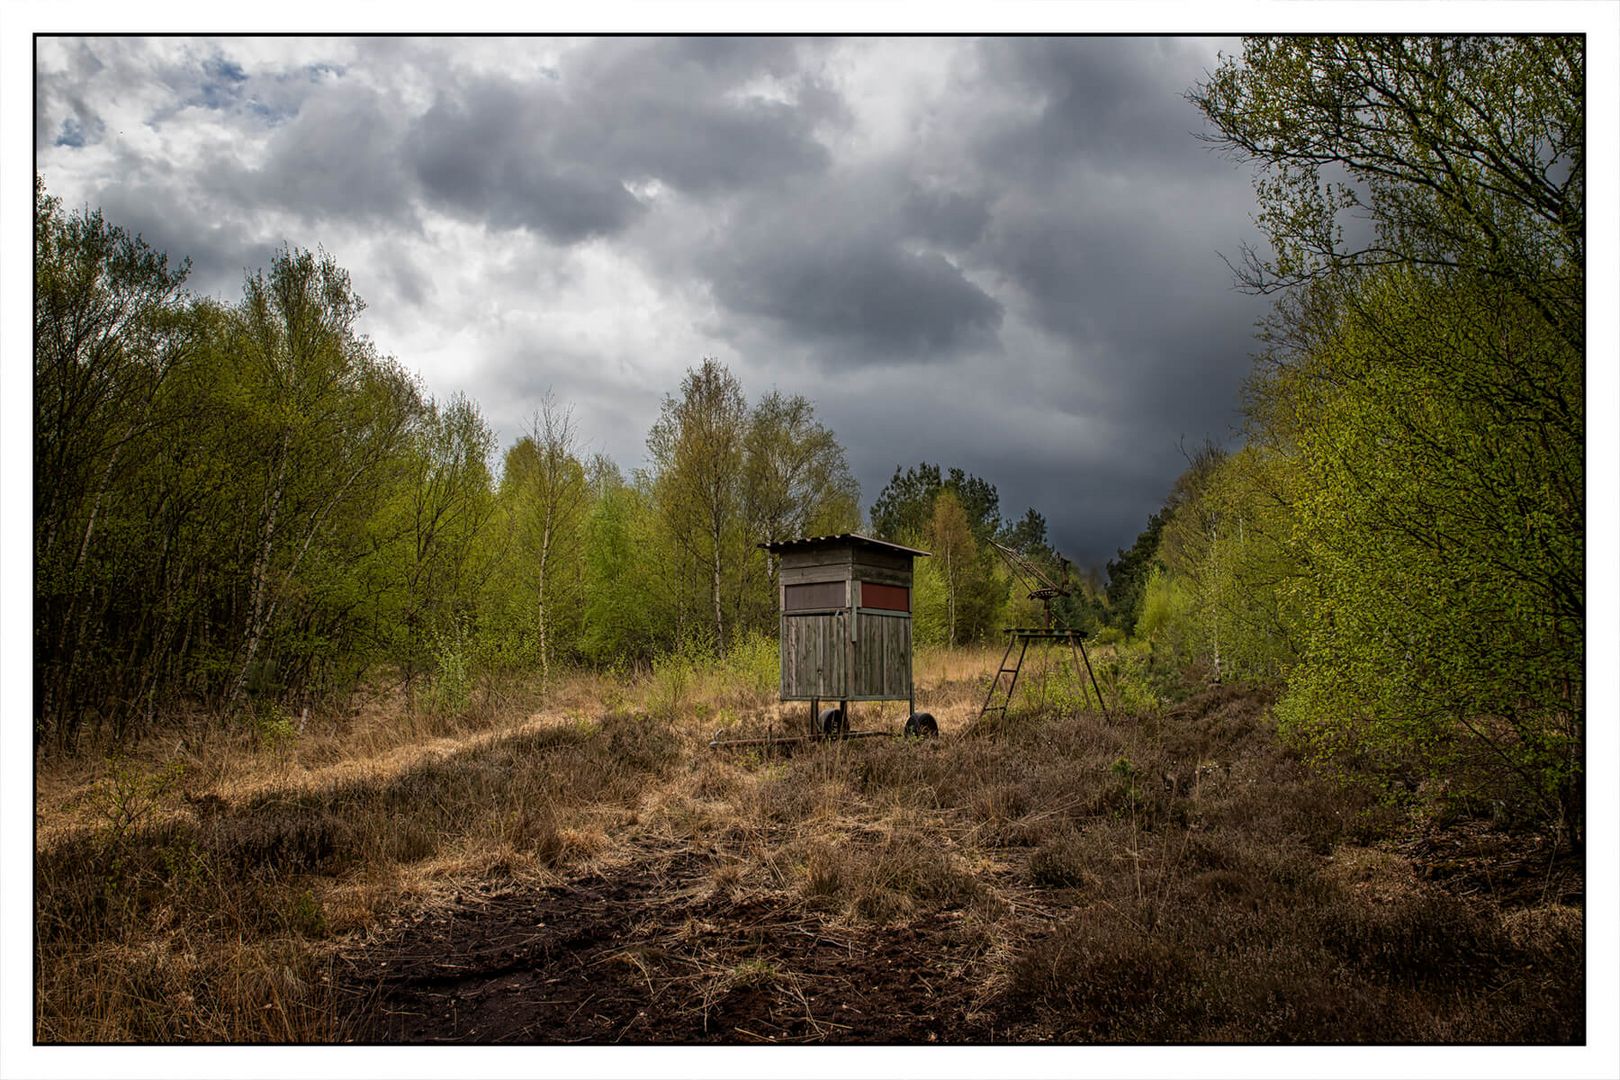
column 649, row 954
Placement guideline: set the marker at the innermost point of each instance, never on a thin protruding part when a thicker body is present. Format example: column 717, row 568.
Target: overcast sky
column 1002, row 254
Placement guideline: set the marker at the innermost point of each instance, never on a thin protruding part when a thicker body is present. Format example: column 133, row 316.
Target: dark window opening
column 817, row 594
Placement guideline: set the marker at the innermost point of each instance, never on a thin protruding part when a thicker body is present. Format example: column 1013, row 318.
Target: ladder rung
column 1009, row 671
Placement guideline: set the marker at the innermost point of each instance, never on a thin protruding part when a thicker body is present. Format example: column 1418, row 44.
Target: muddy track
column 650, row 953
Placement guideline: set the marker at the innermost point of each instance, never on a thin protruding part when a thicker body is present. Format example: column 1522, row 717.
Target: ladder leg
column 1016, row 669
column 996, row 679
column 1075, row 655
column 1101, row 704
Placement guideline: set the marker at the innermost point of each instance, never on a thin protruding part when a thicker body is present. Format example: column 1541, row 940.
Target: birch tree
column 698, row 456
column 796, row 482
column 324, row 414
column 546, row 492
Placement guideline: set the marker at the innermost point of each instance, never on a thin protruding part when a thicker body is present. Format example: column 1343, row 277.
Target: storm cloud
column 1002, row 254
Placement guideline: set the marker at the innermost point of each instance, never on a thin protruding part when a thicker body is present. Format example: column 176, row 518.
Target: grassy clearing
column 1173, row 875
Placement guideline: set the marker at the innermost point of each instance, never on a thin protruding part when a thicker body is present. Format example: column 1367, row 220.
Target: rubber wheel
column 833, row 724
column 921, row 725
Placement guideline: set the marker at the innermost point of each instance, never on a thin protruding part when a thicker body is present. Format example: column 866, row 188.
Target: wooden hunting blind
column 845, row 620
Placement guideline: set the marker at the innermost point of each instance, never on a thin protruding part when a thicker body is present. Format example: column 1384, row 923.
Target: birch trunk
column 719, row 627
column 73, row 624
column 545, row 558
column 261, row 579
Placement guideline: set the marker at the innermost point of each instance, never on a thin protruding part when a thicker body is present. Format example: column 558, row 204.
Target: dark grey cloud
column 335, row 159
column 688, row 112
column 561, row 153
column 953, row 219
column 1061, row 239
column 1114, row 104
column 222, row 249
column 856, row 297
column 484, row 154
column 1133, row 288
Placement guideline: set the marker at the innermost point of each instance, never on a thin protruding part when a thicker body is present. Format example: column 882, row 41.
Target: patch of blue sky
column 271, row 113
column 221, row 68
column 74, row 134
column 221, row 86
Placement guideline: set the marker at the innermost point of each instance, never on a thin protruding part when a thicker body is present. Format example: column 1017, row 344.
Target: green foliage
column 726, row 478
column 1224, row 596
column 796, row 481
column 1168, row 613
column 1404, row 538
column 112, row 336
column 537, row 586
column 1463, row 153
column 699, row 461
column 928, row 609
column 1137, row 678
column 305, row 915
column 131, row 796
column 1128, row 575
column 674, row 674
column 905, row 506
column 209, row 473
column 755, row 664
column 1027, row 534
column 623, row 619
column 246, row 505
column 1441, row 526
column 435, row 526
column 966, row 594
column 454, row 674
column 274, row 729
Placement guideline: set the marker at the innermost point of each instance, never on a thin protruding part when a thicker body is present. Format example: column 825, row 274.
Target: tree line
column 1400, row 539
column 246, row 504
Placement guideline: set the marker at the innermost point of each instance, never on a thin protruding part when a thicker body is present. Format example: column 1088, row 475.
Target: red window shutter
column 885, row 597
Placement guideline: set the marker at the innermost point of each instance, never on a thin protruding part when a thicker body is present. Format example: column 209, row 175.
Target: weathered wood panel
column 891, row 560
column 800, row 560
column 802, row 575
column 814, row 656
column 883, row 660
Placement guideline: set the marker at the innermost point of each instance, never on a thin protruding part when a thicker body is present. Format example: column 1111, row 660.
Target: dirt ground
column 647, row 955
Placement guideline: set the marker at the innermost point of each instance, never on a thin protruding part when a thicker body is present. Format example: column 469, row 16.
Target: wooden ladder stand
column 1022, row 636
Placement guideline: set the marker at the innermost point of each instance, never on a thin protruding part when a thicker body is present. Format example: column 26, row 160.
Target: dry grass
column 1165, row 877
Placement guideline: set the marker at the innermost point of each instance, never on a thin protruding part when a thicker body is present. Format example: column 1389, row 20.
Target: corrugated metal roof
column 842, row 538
